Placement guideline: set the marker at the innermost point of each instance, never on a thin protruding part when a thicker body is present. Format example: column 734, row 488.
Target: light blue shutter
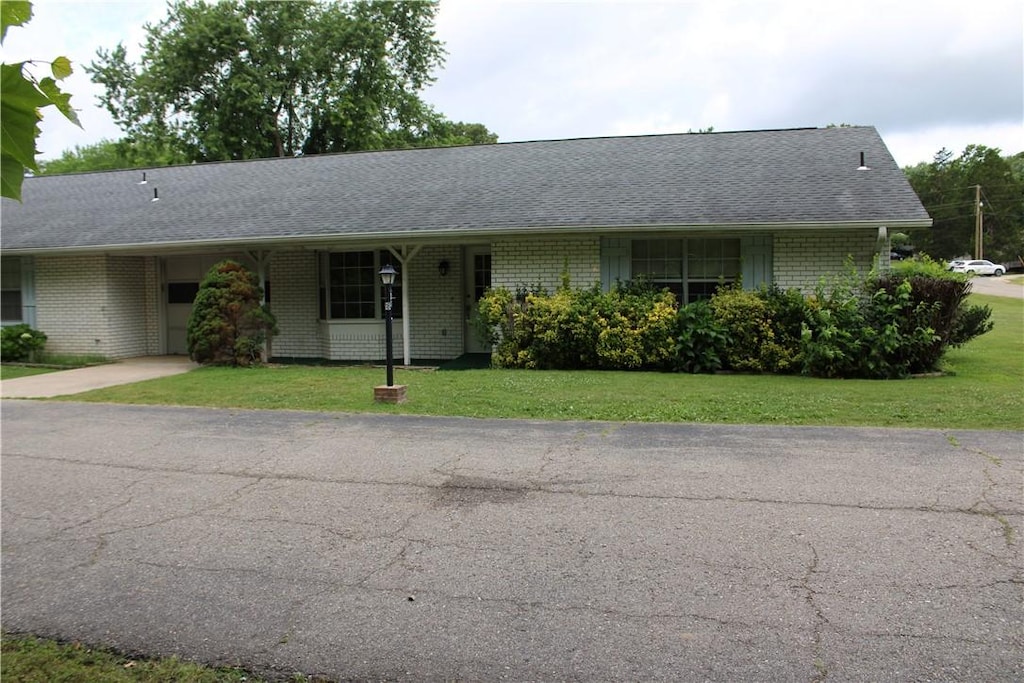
column 756, row 252
column 615, row 257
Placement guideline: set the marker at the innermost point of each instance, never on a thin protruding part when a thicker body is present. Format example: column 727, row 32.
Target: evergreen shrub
column 228, row 324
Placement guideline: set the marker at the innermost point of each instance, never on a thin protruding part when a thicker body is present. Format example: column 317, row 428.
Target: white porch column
column 405, row 256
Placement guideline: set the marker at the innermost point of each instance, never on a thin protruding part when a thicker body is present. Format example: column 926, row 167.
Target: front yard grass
column 12, row 371
column 984, row 389
column 48, row 363
column 27, row 659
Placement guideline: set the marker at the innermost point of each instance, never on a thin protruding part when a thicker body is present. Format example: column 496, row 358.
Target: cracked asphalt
column 413, row 548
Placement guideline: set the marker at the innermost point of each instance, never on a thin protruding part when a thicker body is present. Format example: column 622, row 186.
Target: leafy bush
column 700, row 340
column 934, row 303
column 830, row 341
column 228, row 325
column 754, row 342
column 898, row 335
column 923, row 265
column 886, row 326
column 626, row 328
column 787, row 310
column 970, row 322
column 21, row 343
column 889, row 326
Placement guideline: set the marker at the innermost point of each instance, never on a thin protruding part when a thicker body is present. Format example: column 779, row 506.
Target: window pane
column 352, row 279
column 10, row 273
column 481, row 275
column 10, row 306
column 182, row 292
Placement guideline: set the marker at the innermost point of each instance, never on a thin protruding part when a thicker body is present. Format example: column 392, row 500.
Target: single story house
column 109, row 263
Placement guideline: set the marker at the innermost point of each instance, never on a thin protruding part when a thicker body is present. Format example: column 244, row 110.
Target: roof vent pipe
column 143, row 181
column 862, row 167
column 156, row 197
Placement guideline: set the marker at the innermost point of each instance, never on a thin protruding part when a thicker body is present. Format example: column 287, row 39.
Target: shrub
column 891, row 325
column 787, row 310
column 626, row 328
column 20, row 343
column 898, row 335
column 970, row 322
column 935, row 303
column 753, row 342
column 228, row 325
column 924, row 266
column 700, row 340
column 830, row 340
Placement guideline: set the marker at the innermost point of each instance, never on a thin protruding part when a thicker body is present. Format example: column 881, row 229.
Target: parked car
column 978, row 267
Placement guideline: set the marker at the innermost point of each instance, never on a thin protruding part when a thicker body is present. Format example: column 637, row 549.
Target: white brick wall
column 359, row 340
column 125, row 307
column 801, row 258
column 93, row 304
column 435, row 304
column 294, row 300
column 153, row 294
column 528, row 262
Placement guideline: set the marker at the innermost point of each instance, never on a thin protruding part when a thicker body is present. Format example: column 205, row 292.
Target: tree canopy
column 109, row 155
column 946, row 187
column 245, row 79
column 22, row 95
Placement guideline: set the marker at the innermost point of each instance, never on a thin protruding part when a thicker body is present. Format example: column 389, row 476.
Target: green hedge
column 887, row 326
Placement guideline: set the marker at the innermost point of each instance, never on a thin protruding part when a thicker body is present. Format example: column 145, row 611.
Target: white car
column 978, row 267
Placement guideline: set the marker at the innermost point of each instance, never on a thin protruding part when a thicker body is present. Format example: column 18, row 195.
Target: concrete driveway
column 66, row 382
column 409, row 548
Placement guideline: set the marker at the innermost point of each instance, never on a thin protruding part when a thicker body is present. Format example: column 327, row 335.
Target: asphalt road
column 409, row 548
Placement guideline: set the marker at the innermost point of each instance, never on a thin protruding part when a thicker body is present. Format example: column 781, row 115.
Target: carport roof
column 782, row 178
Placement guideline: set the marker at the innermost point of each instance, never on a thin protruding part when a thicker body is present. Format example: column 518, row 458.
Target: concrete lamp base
column 392, row 394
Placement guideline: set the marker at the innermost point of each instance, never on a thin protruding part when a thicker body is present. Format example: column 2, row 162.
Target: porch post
column 405, row 256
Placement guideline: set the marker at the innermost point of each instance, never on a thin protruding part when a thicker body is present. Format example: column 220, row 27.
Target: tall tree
column 245, row 79
column 946, row 187
column 22, row 95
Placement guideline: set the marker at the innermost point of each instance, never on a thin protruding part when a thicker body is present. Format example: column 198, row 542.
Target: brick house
column 108, row 263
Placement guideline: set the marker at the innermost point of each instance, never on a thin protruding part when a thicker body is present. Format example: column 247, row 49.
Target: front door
column 478, row 279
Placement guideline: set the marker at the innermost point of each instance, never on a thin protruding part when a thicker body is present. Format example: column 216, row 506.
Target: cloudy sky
column 927, row 74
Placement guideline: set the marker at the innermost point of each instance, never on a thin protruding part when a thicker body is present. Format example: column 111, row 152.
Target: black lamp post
column 387, row 278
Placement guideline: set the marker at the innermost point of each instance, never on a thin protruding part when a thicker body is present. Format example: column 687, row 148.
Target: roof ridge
column 508, row 143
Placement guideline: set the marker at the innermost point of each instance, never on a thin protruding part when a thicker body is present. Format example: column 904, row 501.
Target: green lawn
column 36, row 660
column 984, row 389
column 15, row 371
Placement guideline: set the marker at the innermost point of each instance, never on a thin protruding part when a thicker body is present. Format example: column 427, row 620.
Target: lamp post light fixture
column 389, row 393
column 387, row 278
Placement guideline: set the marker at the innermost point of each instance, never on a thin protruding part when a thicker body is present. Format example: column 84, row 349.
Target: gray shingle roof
column 799, row 176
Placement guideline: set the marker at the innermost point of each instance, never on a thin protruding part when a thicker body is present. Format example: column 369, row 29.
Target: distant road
column 998, row 286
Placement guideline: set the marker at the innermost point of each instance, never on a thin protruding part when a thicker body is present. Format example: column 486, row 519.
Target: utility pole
column 978, row 248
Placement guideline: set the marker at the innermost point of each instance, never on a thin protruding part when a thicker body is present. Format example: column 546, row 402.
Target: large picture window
column 692, row 269
column 350, row 287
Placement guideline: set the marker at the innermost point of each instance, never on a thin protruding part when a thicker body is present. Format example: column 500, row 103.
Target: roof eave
column 450, row 234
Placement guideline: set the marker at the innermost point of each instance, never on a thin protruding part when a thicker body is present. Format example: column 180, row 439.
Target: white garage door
column 182, row 276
